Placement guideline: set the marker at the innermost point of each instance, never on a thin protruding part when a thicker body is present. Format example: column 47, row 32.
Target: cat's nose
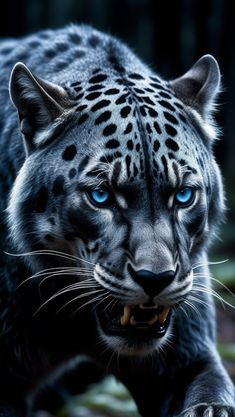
column 151, row 283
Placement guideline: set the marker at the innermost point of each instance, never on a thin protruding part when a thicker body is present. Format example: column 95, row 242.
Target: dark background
column 170, row 36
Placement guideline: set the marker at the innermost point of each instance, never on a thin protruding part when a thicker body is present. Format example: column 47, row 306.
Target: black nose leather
column 152, row 283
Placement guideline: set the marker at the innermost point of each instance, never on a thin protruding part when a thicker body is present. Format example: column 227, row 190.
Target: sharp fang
column 126, row 315
column 162, row 317
column 153, row 320
column 143, row 307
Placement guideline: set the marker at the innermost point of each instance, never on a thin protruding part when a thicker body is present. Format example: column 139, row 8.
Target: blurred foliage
column 107, row 399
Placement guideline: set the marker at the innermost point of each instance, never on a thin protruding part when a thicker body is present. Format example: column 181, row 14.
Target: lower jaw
column 137, row 340
column 138, row 345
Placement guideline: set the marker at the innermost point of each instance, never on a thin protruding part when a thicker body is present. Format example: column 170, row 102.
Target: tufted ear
column 40, row 105
column 199, row 86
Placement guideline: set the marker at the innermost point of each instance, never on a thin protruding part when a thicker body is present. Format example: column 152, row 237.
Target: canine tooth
column 162, row 317
column 143, row 307
column 153, row 320
column 126, row 315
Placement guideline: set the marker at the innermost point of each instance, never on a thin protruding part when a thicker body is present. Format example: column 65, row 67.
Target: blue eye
column 100, row 197
column 184, row 196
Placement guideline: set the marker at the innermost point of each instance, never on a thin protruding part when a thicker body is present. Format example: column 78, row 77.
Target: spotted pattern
column 125, row 129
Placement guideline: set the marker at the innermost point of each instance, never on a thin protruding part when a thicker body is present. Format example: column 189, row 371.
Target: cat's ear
column 199, row 86
column 40, row 105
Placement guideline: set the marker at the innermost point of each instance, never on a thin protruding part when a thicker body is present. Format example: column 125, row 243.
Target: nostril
column 152, row 283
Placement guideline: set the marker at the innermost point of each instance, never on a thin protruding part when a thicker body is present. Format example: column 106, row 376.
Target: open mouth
column 138, row 321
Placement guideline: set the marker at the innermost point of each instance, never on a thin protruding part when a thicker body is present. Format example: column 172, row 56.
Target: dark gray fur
column 90, row 110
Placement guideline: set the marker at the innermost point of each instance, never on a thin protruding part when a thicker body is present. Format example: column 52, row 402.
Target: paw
column 209, row 410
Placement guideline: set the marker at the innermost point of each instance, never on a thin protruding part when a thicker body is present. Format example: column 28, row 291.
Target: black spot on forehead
column 82, row 119
column 75, row 38
column 72, row 173
column 148, row 128
column 100, row 105
column 149, row 90
column 130, row 144
column 128, row 162
column 136, row 76
column 165, row 166
column 98, row 78
column 164, row 94
column 152, row 112
column 78, row 53
column 170, row 130
column 156, row 145
column 23, row 56
column 95, row 71
column 171, row 118
column 136, row 171
column 179, row 105
column 50, row 53
column 143, row 111
column 5, row 51
column 78, row 89
column 125, row 111
column 116, row 64
column 128, row 128
column 103, row 117
column 157, row 127
column 95, row 87
column 79, row 96
column 181, row 116
column 94, row 41
column 156, row 85
column 171, row 144
column 84, row 162
column 148, row 100
column 167, row 105
column 58, row 186
column 93, row 96
column 110, row 129
column 62, row 46
column 41, row 199
column 60, row 65
column 34, row 44
column 111, row 91
column 75, row 83
column 81, row 107
column 69, row 153
column 112, row 144
column 121, row 99
column 138, row 90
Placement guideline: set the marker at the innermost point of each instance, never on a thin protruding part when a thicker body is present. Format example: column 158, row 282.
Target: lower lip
column 114, row 328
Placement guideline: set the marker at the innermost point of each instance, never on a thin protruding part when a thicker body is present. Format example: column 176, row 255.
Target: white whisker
column 89, row 302
column 195, row 266
column 64, row 291
column 52, row 253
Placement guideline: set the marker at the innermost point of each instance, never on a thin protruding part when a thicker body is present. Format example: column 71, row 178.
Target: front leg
column 211, row 393
column 202, row 389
